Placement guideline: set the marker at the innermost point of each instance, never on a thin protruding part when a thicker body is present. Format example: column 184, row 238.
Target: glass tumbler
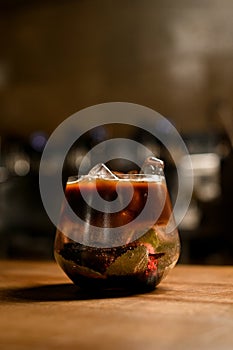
column 117, row 231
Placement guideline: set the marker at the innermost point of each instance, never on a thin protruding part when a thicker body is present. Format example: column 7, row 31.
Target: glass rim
column 119, row 177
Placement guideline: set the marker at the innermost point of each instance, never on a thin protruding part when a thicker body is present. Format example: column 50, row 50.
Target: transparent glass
column 124, row 249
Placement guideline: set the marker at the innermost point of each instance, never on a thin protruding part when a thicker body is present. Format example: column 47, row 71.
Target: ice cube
column 101, row 170
column 152, row 166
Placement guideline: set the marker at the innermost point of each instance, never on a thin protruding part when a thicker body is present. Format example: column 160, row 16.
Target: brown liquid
column 159, row 208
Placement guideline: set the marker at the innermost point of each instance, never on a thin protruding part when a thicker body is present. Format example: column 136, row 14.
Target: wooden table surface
column 40, row 309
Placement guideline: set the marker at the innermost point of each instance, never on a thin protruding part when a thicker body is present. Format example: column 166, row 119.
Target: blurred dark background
column 58, row 57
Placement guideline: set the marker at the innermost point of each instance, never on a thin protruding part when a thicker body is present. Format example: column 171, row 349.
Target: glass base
column 94, row 282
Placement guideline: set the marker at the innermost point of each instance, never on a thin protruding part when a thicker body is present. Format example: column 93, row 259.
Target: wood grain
column 40, row 309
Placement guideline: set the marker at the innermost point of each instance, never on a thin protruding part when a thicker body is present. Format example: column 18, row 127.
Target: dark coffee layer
column 110, row 190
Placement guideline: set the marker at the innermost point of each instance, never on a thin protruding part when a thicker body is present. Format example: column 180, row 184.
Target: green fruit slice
column 133, row 261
